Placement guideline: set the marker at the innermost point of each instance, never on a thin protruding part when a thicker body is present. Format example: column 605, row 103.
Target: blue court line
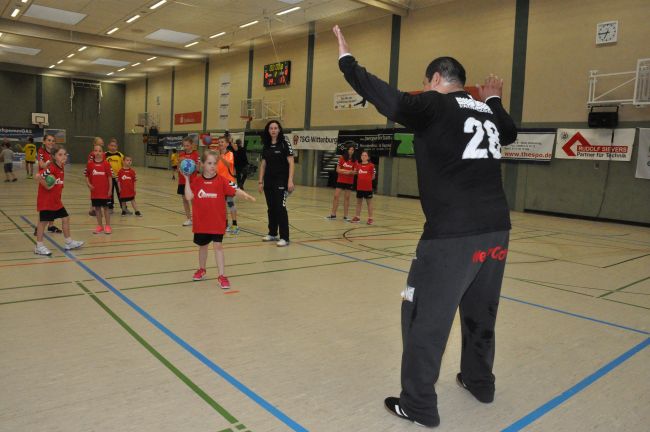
column 643, row 332
column 586, row 382
column 197, row 354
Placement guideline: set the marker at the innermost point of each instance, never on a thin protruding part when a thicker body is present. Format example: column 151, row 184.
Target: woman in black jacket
column 276, row 180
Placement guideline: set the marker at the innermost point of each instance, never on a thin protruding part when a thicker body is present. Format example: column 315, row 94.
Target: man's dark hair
column 450, row 69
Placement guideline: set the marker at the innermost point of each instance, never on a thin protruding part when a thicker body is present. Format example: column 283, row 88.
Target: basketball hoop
column 40, row 125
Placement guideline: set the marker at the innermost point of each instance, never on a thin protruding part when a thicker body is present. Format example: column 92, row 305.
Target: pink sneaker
column 98, row 229
column 355, row 220
column 107, row 229
column 370, row 222
column 199, row 275
column 224, row 283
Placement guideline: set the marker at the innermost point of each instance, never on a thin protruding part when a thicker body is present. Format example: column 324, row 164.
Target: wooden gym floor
column 116, row 337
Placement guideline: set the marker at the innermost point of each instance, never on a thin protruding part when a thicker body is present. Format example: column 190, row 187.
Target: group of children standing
column 108, row 173
column 347, row 168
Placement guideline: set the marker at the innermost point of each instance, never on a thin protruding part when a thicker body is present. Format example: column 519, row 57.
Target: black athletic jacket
column 457, row 151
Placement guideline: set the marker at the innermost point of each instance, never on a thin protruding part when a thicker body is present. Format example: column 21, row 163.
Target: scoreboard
column 276, row 74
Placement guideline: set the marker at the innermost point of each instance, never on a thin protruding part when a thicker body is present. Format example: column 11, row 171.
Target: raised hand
column 493, row 87
column 343, row 45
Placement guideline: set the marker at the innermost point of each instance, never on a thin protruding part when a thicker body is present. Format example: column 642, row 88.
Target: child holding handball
column 207, row 193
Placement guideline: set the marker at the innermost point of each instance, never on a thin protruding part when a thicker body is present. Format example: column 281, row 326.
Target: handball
column 50, row 180
column 188, row 166
column 207, row 140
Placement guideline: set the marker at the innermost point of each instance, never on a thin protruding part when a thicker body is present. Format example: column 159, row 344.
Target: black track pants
column 276, row 201
column 461, row 272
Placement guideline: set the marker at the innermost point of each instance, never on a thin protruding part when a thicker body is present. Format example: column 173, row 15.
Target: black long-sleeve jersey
column 457, row 151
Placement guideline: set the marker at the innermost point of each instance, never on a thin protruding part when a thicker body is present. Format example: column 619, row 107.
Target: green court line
column 40, row 285
column 40, row 298
column 558, row 283
column 623, row 287
column 551, row 287
column 180, row 375
column 627, row 260
column 244, row 274
column 628, row 304
column 29, row 237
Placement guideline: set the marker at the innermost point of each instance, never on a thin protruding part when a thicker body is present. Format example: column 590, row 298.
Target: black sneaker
column 123, row 212
column 485, row 396
column 330, row 217
column 54, row 230
column 138, row 214
column 392, row 405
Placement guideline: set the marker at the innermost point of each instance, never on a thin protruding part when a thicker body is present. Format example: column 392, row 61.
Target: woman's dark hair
column 266, row 136
column 346, row 153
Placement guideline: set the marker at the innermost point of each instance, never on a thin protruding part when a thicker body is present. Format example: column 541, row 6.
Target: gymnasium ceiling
column 48, row 41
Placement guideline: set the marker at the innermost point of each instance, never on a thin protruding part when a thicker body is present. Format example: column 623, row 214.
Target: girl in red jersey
column 96, row 141
column 126, row 181
column 187, row 153
column 366, row 173
column 99, row 178
column 207, row 193
column 344, row 181
column 44, row 159
column 49, row 204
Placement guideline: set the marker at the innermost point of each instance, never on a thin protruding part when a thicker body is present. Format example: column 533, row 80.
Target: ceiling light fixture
column 24, row 1
column 52, row 66
column 135, row 64
column 248, row 24
column 15, row 13
column 133, row 18
column 284, row 12
column 191, row 44
column 151, row 58
column 160, row 3
column 217, row 35
column 70, row 55
column 110, row 73
column 113, row 30
column 59, row 62
column 120, row 70
column 82, row 48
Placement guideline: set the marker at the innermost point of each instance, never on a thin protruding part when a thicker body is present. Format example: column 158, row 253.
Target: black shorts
column 30, row 162
column 9, row 167
column 180, row 189
column 204, row 239
column 364, row 194
column 98, row 202
column 175, row 167
column 50, row 215
column 344, row 186
column 127, row 199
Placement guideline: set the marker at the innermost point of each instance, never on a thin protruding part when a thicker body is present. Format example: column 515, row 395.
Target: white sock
column 39, row 244
column 68, row 240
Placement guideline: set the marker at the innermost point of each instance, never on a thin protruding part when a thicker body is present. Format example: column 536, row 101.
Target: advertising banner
column 375, row 142
column 347, row 101
column 643, row 155
column 595, row 144
column 530, row 146
column 314, row 140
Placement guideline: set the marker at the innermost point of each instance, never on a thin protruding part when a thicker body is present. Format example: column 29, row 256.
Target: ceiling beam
column 387, row 5
column 93, row 40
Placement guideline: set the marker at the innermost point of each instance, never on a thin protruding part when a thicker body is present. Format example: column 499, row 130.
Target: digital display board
column 276, row 74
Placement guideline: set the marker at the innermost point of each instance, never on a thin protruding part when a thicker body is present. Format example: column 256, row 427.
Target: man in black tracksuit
column 460, row 257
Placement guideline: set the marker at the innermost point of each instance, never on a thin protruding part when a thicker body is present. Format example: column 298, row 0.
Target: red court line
column 107, row 257
column 121, row 241
column 231, row 292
